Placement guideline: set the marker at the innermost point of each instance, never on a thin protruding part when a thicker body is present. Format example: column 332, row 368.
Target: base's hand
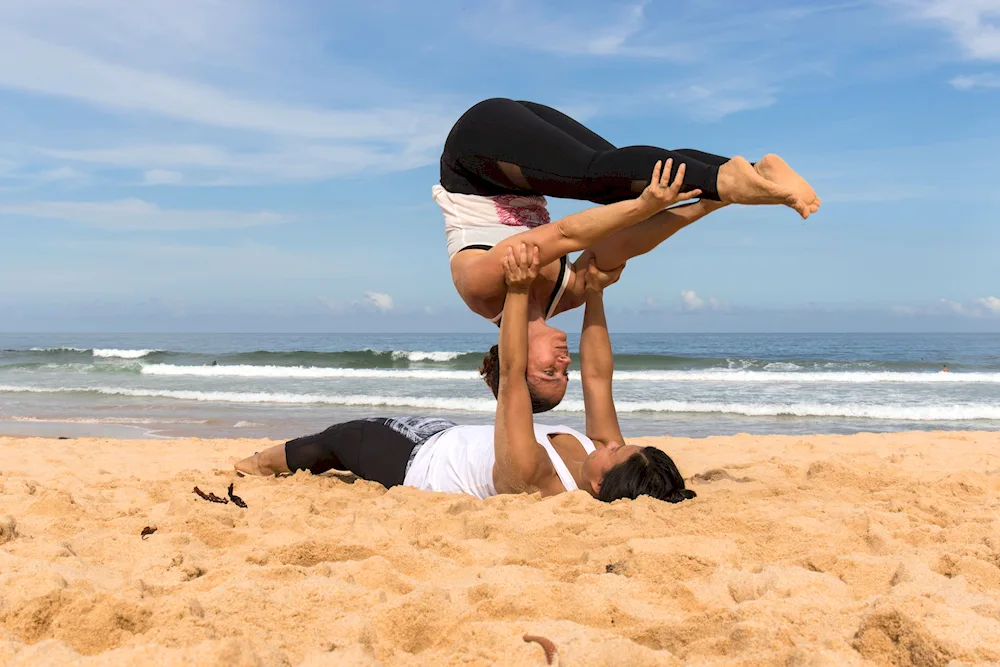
column 595, row 280
column 660, row 194
column 520, row 269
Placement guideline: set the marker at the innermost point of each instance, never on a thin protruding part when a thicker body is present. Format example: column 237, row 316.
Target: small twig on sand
column 235, row 498
column 210, row 497
column 546, row 644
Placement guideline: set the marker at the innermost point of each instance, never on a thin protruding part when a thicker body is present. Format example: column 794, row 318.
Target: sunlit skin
column 520, row 463
column 548, row 361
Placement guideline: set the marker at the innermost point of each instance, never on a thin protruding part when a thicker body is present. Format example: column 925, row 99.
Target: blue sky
column 248, row 165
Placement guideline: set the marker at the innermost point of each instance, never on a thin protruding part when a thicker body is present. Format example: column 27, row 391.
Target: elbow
column 569, row 232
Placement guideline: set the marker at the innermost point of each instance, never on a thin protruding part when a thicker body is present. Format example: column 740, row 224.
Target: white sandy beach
column 818, row 550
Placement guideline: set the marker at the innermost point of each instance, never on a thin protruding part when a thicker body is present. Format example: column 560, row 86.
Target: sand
column 819, row 550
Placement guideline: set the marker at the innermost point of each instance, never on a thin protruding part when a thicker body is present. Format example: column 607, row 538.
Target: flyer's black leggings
column 556, row 157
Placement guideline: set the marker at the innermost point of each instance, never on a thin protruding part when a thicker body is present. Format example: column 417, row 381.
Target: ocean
column 287, row 385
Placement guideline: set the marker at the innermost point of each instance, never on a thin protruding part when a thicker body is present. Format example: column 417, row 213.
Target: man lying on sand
column 503, row 157
column 515, row 455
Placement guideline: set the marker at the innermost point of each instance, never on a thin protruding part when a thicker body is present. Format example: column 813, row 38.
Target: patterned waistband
column 417, row 430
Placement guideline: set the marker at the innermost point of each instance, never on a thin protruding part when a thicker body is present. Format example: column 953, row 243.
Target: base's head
column 547, row 370
column 628, row 471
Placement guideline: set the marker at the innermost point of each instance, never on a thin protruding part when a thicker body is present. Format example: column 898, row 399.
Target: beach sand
column 818, row 550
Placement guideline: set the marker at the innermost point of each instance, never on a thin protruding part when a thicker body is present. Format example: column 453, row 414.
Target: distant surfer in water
column 500, row 161
column 515, row 455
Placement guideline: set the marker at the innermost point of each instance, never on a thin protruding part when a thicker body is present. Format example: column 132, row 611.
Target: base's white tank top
column 460, row 460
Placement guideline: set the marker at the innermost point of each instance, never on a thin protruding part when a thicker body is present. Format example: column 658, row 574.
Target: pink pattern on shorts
column 529, row 212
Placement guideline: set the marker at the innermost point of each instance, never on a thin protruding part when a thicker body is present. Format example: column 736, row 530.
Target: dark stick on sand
column 235, row 498
column 546, row 644
column 210, row 497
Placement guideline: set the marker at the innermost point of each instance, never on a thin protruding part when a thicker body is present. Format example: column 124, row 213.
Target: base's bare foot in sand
column 773, row 168
column 739, row 183
column 267, row 463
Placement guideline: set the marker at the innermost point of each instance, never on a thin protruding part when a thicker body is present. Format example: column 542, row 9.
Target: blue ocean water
column 285, row 385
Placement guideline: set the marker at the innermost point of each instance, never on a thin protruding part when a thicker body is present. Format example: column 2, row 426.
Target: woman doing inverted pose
column 503, row 157
column 515, row 455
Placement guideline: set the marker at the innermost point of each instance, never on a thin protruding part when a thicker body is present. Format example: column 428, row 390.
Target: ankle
column 272, row 461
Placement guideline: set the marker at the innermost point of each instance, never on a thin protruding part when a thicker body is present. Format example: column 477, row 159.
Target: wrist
column 517, row 290
column 643, row 208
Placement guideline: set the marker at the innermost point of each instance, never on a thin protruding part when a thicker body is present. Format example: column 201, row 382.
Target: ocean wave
column 244, row 370
column 139, row 421
column 805, row 370
column 782, row 366
column 420, row 402
column 972, row 412
column 426, row 356
column 102, row 353
column 840, row 377
column 716, row 375
column 961, row 412
column 123, row 354
column 774, row 377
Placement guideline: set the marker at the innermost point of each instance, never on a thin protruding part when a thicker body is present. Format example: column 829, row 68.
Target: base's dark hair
column 490, row 372
column 649, row 472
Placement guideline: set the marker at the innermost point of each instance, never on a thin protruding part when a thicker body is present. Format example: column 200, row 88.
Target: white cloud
column 162, row 177
column 164, row 61
column 972, row 81
column 136, row 214
column 971, row 23
column 41, row 67
column 191, row 29
column 380, row 300
column 691, row 301
column 949, row 308
column 714, row 100
column 290, row 162
column 991, row 303
column 67, row 176
column 953, row 307
column 609, row 32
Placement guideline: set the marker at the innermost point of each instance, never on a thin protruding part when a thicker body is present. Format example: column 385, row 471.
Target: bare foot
column 740, row 183
column 773, row 168
column 249, row 466
column 267, row 463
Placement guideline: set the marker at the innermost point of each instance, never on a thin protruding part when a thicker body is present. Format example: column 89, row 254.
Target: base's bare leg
column 267, row 463
column 739, row 183
column 639, row 239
